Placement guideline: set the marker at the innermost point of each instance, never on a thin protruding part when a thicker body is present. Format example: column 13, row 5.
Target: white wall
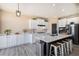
column 10, row 21
column 50, row 22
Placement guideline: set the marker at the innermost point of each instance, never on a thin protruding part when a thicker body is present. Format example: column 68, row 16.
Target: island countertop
column 48, row 38
column 55, row 38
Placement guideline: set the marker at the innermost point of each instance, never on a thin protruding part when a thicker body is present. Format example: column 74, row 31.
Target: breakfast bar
column 50, row 39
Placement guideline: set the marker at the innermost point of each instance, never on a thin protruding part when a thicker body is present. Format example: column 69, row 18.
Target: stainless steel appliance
column 73, row 29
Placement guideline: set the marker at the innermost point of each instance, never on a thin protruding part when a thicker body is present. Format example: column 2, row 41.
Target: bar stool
column 70, row 46
column 66, row 47
column 62, row 47
column 55, row 49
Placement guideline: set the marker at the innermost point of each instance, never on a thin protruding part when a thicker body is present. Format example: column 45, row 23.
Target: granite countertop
column 54, row 38
column 48, row 38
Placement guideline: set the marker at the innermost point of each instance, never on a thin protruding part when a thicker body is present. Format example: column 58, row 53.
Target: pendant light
column 18, row 12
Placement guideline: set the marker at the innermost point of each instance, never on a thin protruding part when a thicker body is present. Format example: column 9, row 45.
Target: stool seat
column 62, row 47
column 56, row 49
column 55, row 44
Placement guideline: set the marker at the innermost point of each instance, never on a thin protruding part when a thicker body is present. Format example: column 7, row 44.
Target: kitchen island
column 47, row 39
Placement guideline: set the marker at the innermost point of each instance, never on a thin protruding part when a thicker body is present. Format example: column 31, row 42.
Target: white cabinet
column 3, row 42
column 62, row 22
column 7, row 41
column 28, row 38
column 40, row 22
column 14, row 40
column 19, row 39
column 11, row 40
column 46, row 23
column 33, row 24
column 75, row 20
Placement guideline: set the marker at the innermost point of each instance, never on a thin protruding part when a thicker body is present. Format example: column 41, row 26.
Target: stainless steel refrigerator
column 73, row 29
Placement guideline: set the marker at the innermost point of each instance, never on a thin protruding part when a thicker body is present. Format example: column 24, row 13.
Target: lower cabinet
column 28, row 38
column 19, row 39
column 14, row 40
column 11, row 41
column 3, row 42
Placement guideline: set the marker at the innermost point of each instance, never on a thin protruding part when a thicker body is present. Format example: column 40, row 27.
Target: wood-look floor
column 75, row 51
column 22, row 50
column 30, row 50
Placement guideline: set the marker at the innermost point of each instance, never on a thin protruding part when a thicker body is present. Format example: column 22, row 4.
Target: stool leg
column 62, row 50
column 50, row 51
column 70, row 44
column 67, row 48
column 55, row 51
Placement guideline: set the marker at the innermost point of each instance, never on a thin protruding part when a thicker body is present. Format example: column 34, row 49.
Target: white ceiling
column 41, row 9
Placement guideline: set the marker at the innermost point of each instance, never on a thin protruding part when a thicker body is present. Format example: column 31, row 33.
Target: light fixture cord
column 18, row 6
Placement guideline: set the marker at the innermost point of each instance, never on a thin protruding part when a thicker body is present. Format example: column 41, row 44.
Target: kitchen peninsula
column 47, row 39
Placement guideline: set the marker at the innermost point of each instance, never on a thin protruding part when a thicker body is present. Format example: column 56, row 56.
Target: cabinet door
column 20, row 39
column 75, row 20
column 11, row 40
column 46, row 25
column 33, row 24
column 28, row 38
column 62, row 22
column 3, row 42
column 40, row 21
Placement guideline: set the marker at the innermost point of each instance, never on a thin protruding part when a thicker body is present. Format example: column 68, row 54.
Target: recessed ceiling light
column 54, row 4
column 63, row 10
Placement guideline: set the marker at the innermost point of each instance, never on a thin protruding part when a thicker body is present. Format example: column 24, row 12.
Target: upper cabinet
column 32, row 24
column 75, row 20
column 38, row 24
column 62, row 22
column 66, row 21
